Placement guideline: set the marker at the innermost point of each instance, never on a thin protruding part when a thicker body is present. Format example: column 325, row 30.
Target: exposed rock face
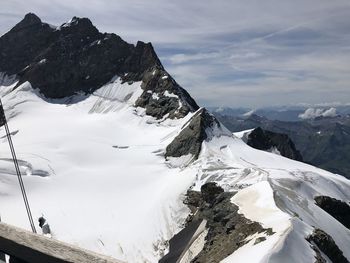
column 227, row 230
column 210, row 192
column 327, row 245
column 20, row 46
column 76, row 57
column 266, row 140
column 200, row 128
column 162, row 96
column 336, row 208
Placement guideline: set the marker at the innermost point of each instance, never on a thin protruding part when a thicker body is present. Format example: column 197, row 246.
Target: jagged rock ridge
column 76, row 57
column 202, row 126
column 162, row 96
column 227, row 230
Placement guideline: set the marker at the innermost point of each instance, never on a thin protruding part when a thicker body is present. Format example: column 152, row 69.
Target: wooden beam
column 37, row 248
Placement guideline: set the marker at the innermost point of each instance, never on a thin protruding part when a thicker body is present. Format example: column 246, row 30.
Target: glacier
column 94, row 166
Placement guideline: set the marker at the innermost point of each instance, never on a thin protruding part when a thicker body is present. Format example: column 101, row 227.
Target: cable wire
column 18, row 171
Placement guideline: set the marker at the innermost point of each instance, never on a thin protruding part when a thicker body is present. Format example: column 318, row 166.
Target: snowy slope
column 277, row 192
column 243, row 134
column 118, row 201
column 95, row 167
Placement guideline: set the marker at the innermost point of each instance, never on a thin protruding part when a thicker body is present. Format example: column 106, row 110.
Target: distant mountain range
column 287, row 113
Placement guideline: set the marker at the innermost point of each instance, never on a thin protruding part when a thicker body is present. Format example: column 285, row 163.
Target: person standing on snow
column 45, row 227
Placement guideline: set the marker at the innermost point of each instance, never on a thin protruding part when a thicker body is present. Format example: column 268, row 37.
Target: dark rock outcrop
column 162, row 96
column 265, row 140
column 73, row 58
column 227, row 229
column 77, row 58
column 210, row 192
column 189, row 141
column 318, row 258
column 326, row 244
column 22, row 44
column 336, row 208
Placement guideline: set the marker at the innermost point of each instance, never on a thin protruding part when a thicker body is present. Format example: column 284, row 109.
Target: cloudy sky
column 226, row 53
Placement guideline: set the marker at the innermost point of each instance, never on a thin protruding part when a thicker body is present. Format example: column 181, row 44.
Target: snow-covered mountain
column 121, row 160
column 323, row 142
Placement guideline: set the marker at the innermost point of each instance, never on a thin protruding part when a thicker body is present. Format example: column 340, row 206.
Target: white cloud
column 332, row 112
column 184, row 58
column 249, row 113
column 312, row 113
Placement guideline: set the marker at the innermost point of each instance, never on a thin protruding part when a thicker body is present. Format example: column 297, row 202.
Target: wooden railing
column 33, row 248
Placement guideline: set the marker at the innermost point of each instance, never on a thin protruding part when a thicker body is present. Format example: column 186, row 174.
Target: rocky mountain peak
column 79, row 25
column 75, row 57
column 143, row 58
column 29, row 19
column 20, row 46
column 147, row 54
